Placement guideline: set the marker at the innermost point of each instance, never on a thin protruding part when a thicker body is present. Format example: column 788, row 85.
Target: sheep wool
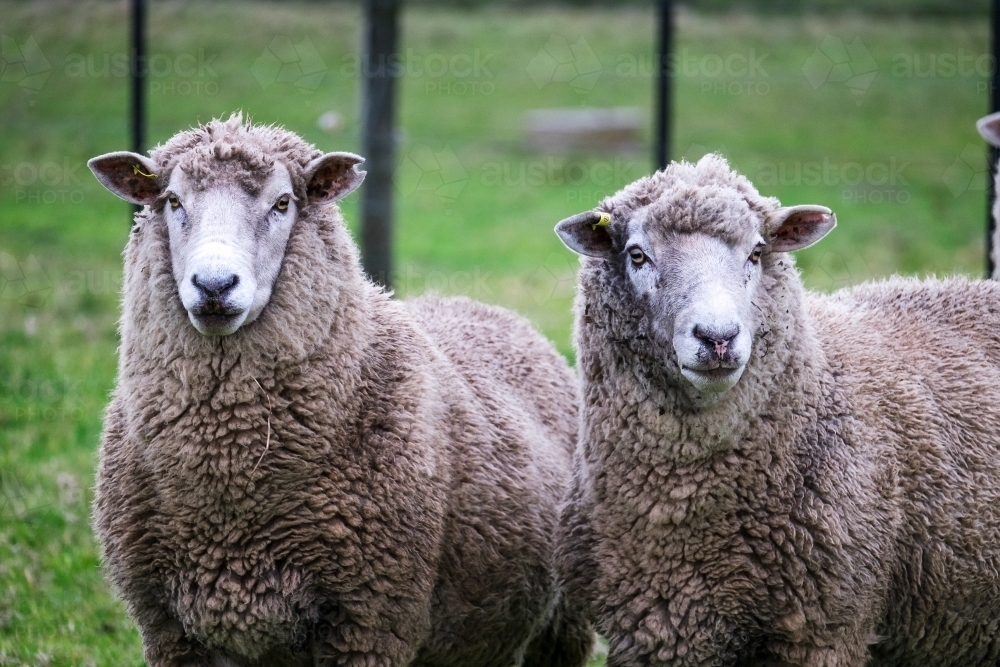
column 838, row 506
column 349, row 479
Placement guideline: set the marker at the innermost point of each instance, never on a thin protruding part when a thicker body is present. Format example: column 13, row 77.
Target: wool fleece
column 347, row 480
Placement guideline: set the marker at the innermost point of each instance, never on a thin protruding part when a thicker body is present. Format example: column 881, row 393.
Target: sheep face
column 227, row 236
column 226, row 246
column 698, row 292
column 694, row 266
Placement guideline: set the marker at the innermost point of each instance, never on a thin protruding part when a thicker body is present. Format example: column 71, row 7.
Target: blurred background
column 868, row 109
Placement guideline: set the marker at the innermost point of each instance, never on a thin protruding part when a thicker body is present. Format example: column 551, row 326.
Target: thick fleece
column 839, row 506
column 348, row 480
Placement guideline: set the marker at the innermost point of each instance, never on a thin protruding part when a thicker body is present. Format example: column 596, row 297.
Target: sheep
column 989, row 129
column 297, row 469
column 769, row 476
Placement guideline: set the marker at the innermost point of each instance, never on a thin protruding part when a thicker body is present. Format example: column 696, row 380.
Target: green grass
column 467, row 220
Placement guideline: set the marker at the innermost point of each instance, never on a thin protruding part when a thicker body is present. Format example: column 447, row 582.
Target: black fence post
column 378, row 136
column 138, row 67
column 664, row 76
column 994, row 152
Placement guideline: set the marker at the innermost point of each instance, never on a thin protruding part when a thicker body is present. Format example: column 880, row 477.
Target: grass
column 896, row 156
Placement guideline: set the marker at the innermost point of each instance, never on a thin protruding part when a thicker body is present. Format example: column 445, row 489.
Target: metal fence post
column 664, row 79
column 993, row 152
column 378, row 136
column 138, row 68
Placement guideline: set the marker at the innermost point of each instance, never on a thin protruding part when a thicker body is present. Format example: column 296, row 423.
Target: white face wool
column 227, row 248
column 712, row 330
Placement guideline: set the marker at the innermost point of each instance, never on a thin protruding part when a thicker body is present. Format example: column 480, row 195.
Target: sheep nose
column 717, row 339
column 216, row 286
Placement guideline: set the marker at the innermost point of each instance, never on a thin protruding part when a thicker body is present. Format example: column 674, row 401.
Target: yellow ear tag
column 136, row 170
column 603, row 222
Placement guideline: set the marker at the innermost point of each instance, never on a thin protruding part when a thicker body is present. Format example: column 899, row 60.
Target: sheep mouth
column 714, row 378
column 212, row 318
column 714, row 371
column 216, row 320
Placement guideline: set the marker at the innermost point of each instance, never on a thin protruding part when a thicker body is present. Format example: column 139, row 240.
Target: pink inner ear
column 329, row 179
column 812, row 218
column 803, row 226
column 143, row 188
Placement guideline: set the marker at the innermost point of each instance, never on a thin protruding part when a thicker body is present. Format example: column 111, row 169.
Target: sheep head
column 686, row 254
column 228, row 218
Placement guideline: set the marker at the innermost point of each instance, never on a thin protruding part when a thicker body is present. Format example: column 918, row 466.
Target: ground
column 873, row 117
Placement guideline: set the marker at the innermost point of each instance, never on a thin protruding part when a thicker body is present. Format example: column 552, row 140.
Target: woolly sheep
column 297, row 469
column 989, row 129
column 768, row 476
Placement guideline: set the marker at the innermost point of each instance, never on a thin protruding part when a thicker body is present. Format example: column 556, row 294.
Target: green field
column 873, row 117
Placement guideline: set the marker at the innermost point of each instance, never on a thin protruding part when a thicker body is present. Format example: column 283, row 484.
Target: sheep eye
column 282, row 203
column 757, row 252
column 174, row 202
column 638, row 256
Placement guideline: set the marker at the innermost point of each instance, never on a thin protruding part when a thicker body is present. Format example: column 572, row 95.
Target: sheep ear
column 130, row 176
column 797, row 227
column 587, row 233
column 333, row 176
column 989, row 128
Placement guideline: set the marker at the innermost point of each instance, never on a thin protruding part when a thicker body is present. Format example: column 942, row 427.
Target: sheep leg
column 841, row 654
column 702, row 651
column 165, row 644
column 351, row 645
column 566, row 642
column 372, row 631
